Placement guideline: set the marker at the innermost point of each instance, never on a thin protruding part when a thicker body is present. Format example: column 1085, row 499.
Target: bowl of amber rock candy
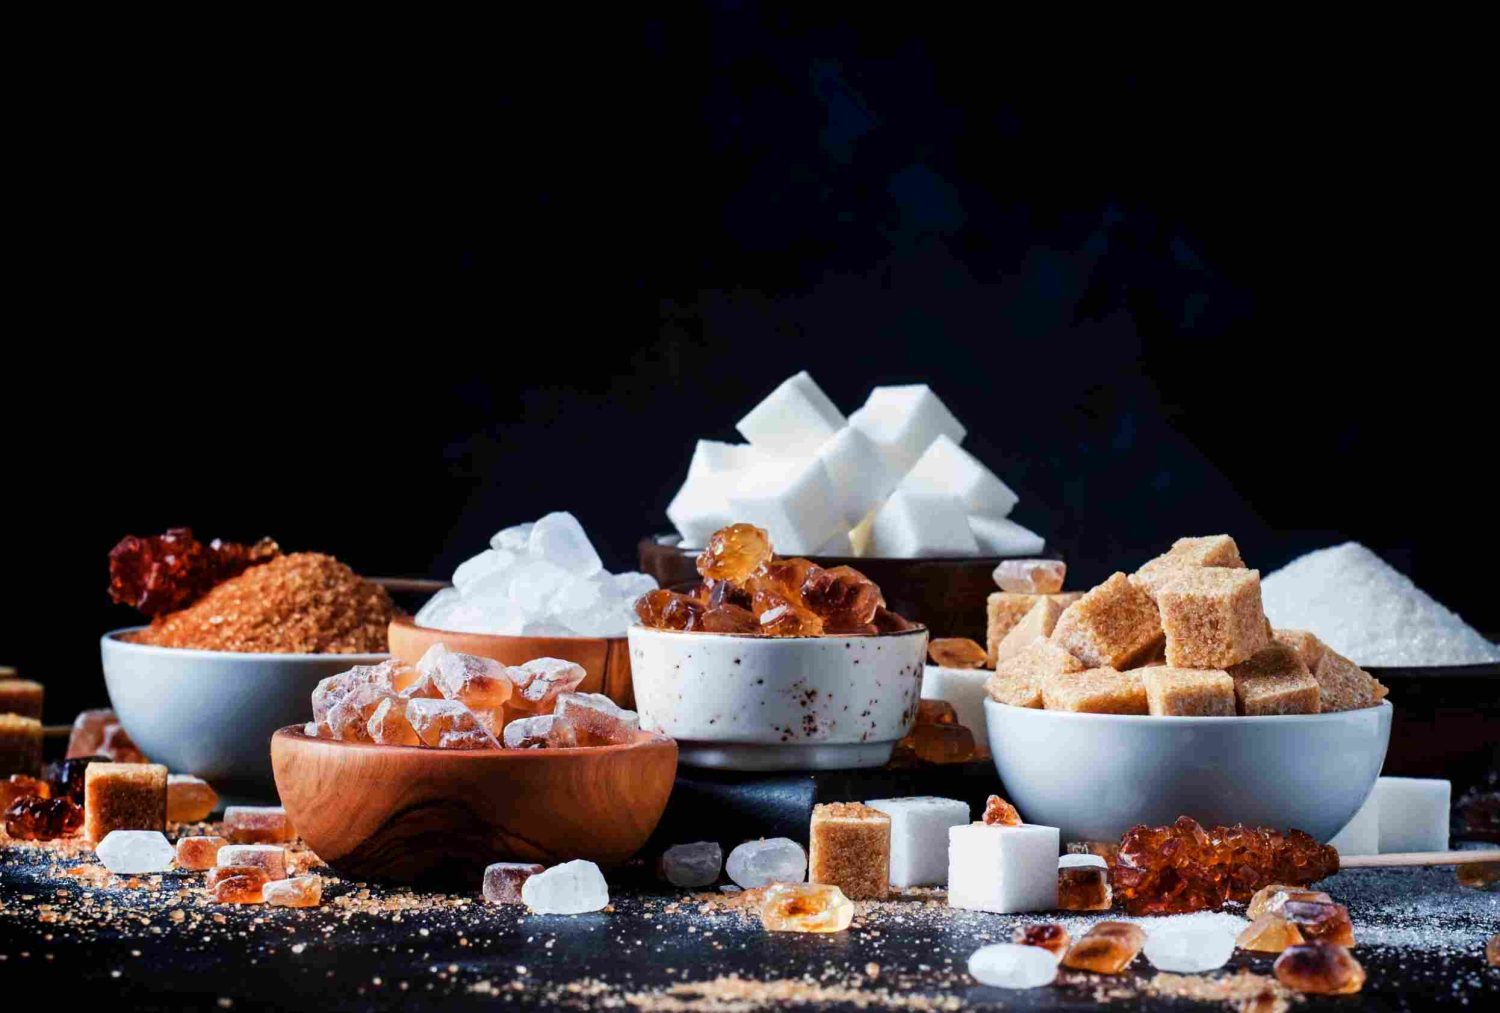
column 775, row 664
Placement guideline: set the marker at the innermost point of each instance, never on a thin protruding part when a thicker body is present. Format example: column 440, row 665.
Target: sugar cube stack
column 890, row 480
column 1003, row 869
column 919, row 837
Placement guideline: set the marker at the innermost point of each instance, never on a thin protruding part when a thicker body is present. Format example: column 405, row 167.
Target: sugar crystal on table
column 937, row 744
column 33, row 818
column 21, row 696
column 1002, row 869
column 117, row 746
column 1186, row 553
column 135, row 851
column 544, row 731
column 597, row 719
column 919, row 837
column 257, row 824
column 850, row 848
column 956, row 652
column 1096, row 691
column 503, row 881
column 1107, row 948
column 240, row 889
column 1013, row 965
column 189, row 799
column 1319, row 920
column 805, row 907
column 1413, row 813
column 575, row 887
column 1187, row 949
column 1031, row 576
column 1188, row 692
column 1110, row 626
column 760, row 863
column 267, row 857
column 448, row 724
column 1212, row 616
column 20, row 745
column 1035, row 625
column 1000, row 813
column 298, row 891
column 794, row 420
column 1083, row 883
column 541, row 681
column 389, row 725
column 692, row 865
column 199, row 852
column 1320, row 969
column 1050, row 936
column 124, row 796
column 1269, row 933
column 87, row 734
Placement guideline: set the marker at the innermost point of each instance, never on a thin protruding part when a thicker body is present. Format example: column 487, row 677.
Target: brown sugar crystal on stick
column 1212, row 617
column 1211, row 550
column 124, row 796
column 1036, row 624
column 1111, row 626
column 1274, row 680
column 21, row 696
column 1096, row 691
column 850, row 848
column 1188, row 692
column 20, row 745
column 1018, row 680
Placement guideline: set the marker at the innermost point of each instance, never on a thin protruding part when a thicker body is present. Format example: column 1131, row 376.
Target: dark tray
column 1446, row 722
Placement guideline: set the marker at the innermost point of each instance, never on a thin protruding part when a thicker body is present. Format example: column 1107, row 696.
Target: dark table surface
column 159, row 944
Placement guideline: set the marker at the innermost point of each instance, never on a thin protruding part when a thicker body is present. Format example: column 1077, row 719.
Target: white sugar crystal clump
column 539, row 579
column 1011, row 965
column 691, row 865
column 572, row 888
column 1188, row 949
column 760, row 863
column 1369, row 612
column 131, row 852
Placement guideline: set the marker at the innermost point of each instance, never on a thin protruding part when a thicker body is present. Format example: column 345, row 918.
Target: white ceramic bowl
column 778, row 703
column 1094, row 776
column 211, row 713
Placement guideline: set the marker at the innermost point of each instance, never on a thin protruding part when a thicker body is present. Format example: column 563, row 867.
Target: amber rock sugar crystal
column 199, row 852
column 1320, row 969
column 22, row 786
column 956, row 652
column 245, row 824
column 1083, row 883
column 189, row 799
column 1000, row 813
column 1107, row 948
column 1269, row 933
column 298, row 891
column 734, row 553
column 32, row 818
column 1049, row 936
column 806, row 907
column 1031, row 576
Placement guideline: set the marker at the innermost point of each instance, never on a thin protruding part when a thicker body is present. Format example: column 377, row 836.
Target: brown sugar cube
column 123, row 796
column 1212, row 617
column 1111, row 626
column 1308, row 647
column 850, row 848
column 1211, row 550
column 21, row 696
column 1039, row 622
column 1188, row 692
column 1096, row 691
column 1342, row 685
column 1018, row 679
column 1005, row 609
column 1274, row 680
column 20, row 745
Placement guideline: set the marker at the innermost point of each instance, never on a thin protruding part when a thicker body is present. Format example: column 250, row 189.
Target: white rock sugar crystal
column 1188, row 949
column 696, row 864
column 1368, row 611
column 760, row 863
column 1011, row 965
column 539, row 579
column 572, row 888
column 131, row 852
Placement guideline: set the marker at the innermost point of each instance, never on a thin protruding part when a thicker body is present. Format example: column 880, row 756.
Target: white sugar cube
column 1413, row 814
column 794, row 420
column 964, row 689
column 1004, row 870
column 1361, row 835
column 858, row 472
column 945, row 467
column 910, row 525
column 919, row 837
column 903, row 422
column 793, row 500
column 701, row 506
column 572, row 888
column 132, row 852
column 1000, row 536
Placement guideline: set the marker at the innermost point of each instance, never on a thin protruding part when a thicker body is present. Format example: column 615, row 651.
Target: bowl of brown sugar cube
column 1167, row 692
column 430, row 772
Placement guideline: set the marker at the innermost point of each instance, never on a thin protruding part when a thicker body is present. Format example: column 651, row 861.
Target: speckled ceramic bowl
column 778, row 703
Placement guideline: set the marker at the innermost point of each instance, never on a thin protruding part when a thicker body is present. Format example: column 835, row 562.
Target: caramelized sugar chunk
column 1270, row 933
column 781, row 616
column 886, row 621
column 1320, row 969
column 842, row 597
column 1270, row 898
column 33, row 818
column 938, row 744
column 198, row 853
column 729, row 619
column 1107, row 948
column 1000, row 813
column 1320, row 920
column 23, row 786
column 806, row 907
column 240, row 889
column 1048, row 935
column 784, row 576
column 667, row 610
column 1084, row 887
column 1031, row 576
column 936, row 712
column 956, row 652
column 734, row 552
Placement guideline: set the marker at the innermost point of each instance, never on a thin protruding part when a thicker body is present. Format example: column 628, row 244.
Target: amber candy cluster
column 163, row 573
column 1184, row 867
column 747, row 590
column 34, row 818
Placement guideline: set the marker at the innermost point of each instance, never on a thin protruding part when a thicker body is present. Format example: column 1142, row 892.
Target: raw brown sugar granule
column 303, row 603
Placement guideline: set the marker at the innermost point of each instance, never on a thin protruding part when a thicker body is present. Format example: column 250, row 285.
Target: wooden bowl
column 409, row 814
column 946, row 595
column 606, row 660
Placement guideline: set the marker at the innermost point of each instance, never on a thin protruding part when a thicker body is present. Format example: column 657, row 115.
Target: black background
column 382, row 311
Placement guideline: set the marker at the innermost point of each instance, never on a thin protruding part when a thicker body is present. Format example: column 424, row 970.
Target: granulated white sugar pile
column 1369, row 612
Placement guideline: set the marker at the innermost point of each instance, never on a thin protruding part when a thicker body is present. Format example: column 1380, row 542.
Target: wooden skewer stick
column 409, row 583
column 1411, row 858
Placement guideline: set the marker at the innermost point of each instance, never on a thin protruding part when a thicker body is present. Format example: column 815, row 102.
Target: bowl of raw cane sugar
column 1166, row 691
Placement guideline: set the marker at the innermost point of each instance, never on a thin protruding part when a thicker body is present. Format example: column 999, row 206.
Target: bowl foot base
column 784, row 756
